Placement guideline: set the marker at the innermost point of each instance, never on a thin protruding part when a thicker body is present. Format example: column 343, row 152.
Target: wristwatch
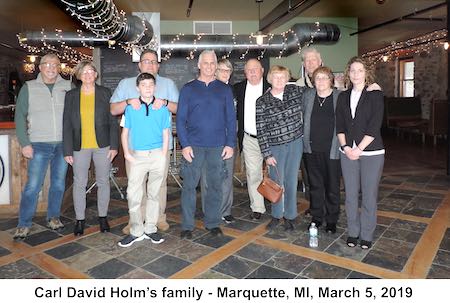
column 127, row 101
column 167, row 102
column 344, row 146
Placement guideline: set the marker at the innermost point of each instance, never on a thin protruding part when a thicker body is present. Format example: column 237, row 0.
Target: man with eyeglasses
column 166, row 94
column 38, row 119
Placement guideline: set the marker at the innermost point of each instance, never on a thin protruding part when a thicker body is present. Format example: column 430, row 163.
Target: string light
column 417, row 45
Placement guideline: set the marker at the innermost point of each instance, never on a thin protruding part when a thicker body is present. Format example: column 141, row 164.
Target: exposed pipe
column 300, row 33
column 104, row 20
column 398, row 19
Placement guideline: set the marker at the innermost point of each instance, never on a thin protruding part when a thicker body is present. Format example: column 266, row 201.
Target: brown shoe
column 126, row 229
column 163, row 225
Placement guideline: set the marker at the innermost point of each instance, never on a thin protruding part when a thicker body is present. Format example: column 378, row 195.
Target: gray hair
column 78, row 69
column 206, row 52
column 49, row 56
column 226, row 62
column 310, row 50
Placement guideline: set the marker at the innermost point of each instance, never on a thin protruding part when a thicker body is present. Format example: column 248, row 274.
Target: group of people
column 277, row 122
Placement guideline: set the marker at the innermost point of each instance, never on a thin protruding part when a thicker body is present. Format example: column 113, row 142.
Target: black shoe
column 318, row 224
column 156, row 238
column 129, row 240
column 228, row 219
column 215, row 231
column 255, row 215
column 104, row 226
column 273, row 223
column 331, row 228
column 186, row 234
column 79, row 228
column 352, row 241
column 365, row 244
column 288, row 224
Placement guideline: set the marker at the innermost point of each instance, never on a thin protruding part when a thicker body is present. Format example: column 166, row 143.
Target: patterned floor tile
column 166, row 266
column 110, row 269
column 439, row 272
column 214, row 241
column 267, row 272
column 236, row 267
column 319, row 270
column 66, row 250
column 138, row 273
column 191, row 251
column 140, row 255
column 4, row 251
column 211, row 274
column 41, row 237
column 257, row 253
column 22, row 269
column 409, row 225
column 289, row 262
column 442, row 258
column 86, row 260
column 358, row 275
column 385, row 260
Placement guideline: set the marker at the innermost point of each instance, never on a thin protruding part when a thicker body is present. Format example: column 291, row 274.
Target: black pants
column 324, row 182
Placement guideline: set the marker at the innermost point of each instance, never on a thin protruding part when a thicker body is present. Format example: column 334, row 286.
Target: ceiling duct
column 275, row 45
column 104, row 20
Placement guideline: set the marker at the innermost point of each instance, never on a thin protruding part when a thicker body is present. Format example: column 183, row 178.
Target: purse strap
column 266, row 170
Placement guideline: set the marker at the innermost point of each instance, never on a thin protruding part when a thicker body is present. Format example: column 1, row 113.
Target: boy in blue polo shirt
column 148, row 128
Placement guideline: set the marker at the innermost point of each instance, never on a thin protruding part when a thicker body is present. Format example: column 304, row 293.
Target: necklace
column 321, row 100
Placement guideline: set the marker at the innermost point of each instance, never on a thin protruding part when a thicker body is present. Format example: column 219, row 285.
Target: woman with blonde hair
column 90, row 132
column 279, row 126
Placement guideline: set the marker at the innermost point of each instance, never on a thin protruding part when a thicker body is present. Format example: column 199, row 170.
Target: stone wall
column 430, row 73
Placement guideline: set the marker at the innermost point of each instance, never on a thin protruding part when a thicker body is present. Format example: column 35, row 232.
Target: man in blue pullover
column 206, row 128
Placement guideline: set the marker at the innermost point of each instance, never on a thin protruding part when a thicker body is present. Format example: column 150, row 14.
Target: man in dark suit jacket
column 246, row 93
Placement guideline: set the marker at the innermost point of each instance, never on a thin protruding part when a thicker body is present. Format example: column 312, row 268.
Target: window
column 213, row 27
column 406, row 77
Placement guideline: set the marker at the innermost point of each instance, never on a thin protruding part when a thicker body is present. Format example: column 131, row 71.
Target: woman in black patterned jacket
column 279, row 125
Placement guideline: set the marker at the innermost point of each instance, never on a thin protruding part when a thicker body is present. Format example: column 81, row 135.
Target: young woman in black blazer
column 359, row 116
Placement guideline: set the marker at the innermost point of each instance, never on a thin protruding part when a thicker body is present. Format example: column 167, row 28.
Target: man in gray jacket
column 38, row 118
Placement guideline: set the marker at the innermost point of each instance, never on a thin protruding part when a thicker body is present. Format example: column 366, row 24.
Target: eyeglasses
column 224, row 70
column 88, row 72
column 147, row 61
column 322, row 78
column 48, row 65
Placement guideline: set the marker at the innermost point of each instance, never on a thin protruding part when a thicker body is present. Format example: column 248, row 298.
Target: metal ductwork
column 275, row 45
column 105, row 21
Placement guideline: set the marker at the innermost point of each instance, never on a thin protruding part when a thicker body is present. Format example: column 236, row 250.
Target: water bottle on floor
column 313, row 233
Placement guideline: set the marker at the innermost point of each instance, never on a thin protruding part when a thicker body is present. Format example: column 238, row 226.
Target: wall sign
column 5, row 191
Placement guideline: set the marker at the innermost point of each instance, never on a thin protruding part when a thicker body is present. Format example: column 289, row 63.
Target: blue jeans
column 43, row 154
column 215, row 171
column 288, row 158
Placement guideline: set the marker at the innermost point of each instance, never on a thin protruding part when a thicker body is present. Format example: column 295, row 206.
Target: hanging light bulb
column 32, row 58
column 259, row 34
column 446, row 45
column 259, row 37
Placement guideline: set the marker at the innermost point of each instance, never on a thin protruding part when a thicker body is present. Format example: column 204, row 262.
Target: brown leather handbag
column 270, row 189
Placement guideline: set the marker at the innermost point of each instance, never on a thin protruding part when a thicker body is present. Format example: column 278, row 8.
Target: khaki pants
column 253, row 160
column 162, row 191
column 148, row 165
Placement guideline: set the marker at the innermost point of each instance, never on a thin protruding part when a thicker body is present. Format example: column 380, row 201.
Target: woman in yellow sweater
column 90, row 132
